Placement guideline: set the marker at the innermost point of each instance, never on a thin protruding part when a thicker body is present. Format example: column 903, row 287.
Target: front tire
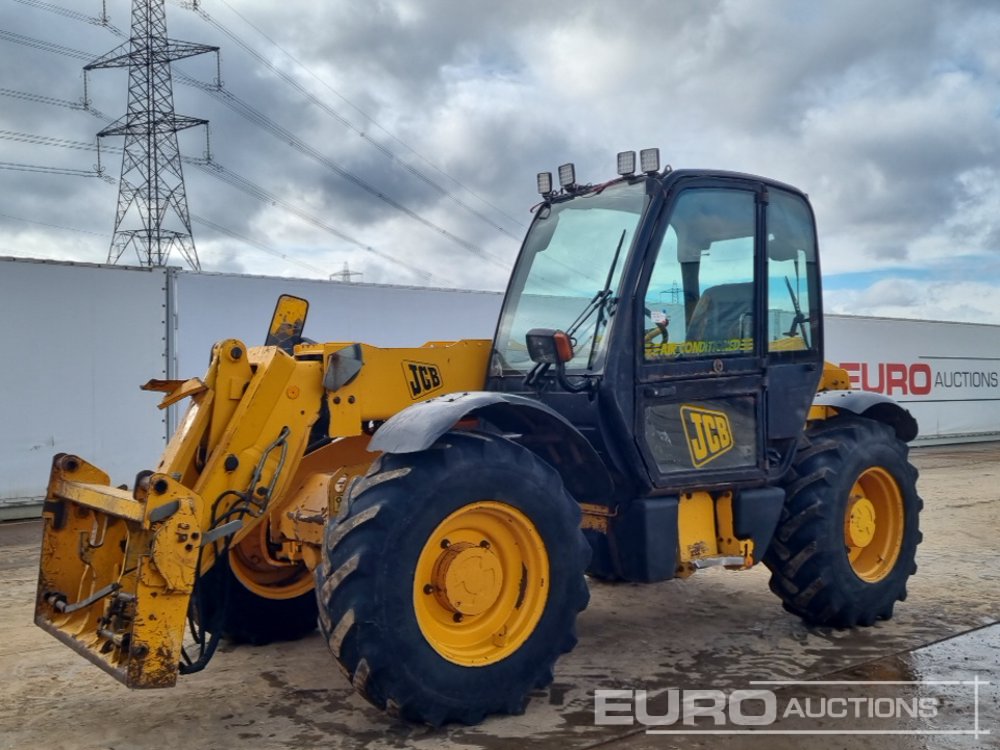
column 848, row 534
column 452, row 584
column 249, row 598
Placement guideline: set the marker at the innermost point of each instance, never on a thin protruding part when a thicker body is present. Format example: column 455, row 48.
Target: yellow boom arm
column 259, row 462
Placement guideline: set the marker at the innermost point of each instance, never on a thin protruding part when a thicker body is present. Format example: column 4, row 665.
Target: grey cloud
column 878, row 110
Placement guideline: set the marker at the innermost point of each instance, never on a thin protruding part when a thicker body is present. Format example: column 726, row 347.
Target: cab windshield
column 565, row 263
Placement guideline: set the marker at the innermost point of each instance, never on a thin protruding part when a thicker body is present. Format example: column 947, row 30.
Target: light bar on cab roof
column 649, row 160
column 567, row 175
column 626, row 163
column 544, row 183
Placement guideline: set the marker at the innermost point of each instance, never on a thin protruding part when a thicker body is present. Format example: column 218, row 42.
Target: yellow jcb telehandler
column 654, row 402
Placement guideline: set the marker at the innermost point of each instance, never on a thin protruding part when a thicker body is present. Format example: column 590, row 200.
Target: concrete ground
column 716, row 630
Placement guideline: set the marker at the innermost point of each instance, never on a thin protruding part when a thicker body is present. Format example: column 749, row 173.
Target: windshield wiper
column 604, row 296
column 799, row 320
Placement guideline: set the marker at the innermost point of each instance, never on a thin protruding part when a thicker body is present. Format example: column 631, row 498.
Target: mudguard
column 539, row 428
column 873, row 406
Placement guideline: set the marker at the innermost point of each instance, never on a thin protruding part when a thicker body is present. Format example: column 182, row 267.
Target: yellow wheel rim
column 481, row 583
column 256, row 568
column 873, row 524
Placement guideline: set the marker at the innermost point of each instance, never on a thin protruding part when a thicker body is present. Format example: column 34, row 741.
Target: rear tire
column 848, row 533
column 384, row 585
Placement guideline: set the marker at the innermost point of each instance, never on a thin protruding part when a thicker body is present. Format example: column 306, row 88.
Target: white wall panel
column 210, row 307
column 946, row 374
column 77, row 341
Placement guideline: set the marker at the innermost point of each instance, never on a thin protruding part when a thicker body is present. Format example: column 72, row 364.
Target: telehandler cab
column 654, row 402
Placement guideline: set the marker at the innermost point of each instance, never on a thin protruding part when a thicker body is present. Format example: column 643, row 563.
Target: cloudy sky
column 403, row 136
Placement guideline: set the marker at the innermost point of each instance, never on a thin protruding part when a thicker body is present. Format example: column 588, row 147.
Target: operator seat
column 723, row 312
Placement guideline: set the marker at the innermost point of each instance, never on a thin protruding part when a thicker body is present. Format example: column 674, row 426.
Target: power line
column 41, row 44
column 257, row 244
column 384, row 150
column 244, row 184
column 52, row 226
column 44, row 140
column 252, row 115
column 16, row 167
column 250, row 188
column 233, row 179
column 42, row 99
column 372, row 120
column 217, row 171
column 101, row 20
column 323, row 272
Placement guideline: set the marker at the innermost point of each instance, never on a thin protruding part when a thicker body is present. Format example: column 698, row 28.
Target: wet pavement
column 718, row 630
column 944, row 696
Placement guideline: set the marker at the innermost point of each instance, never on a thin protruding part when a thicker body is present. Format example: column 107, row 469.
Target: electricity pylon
column 152, row 216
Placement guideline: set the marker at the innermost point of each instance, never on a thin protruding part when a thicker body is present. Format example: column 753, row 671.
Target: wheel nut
column 457, row 617
column 484, row 544
column 428, row 589
column 445, row 544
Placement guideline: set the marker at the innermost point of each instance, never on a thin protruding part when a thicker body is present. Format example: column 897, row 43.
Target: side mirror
column 549, row 347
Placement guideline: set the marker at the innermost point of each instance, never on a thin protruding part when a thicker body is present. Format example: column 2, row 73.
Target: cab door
column 701, row 361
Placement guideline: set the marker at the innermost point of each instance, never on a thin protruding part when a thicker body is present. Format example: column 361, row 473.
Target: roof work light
column 649, row 160
column 567, row 175
column 626, row 163
column 544, row 183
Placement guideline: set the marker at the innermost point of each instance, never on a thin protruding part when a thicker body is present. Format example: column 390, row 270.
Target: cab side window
column 700, row 297
column 792, row 274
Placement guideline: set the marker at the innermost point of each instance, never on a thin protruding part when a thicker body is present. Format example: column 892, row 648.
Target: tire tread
column 802, row 559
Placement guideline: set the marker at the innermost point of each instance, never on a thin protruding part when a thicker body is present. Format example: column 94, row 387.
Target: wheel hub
column 481, row 583
column 467, row 578
column 253, row 565
column 861, row 522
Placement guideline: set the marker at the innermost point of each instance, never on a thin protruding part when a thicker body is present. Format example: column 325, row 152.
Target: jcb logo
column 708, row 434
column 422, row 378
